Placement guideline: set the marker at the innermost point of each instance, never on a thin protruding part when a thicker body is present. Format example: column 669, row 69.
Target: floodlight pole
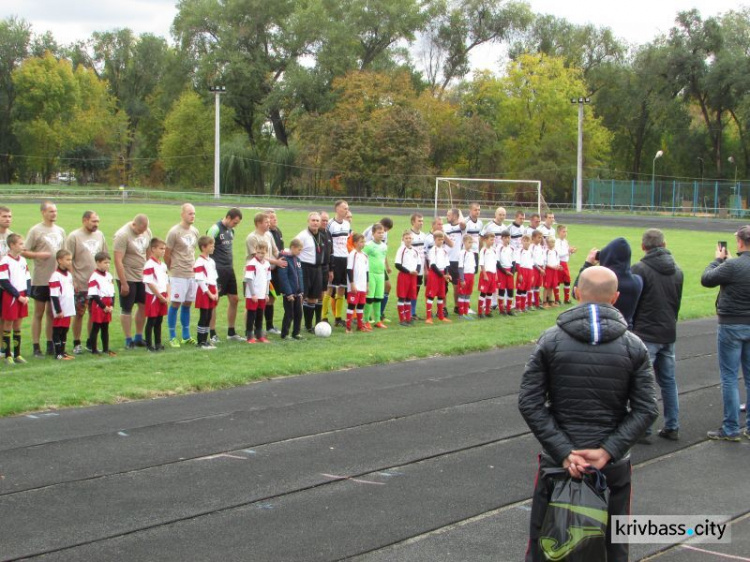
column 579, row 168
column 217, row 90
column 658, row 155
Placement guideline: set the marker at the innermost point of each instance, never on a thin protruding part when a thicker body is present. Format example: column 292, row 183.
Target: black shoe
column 298, row 337
column 140, row 343
column 38, row 354
column 312, row 330
column 671, row 434
column 338, row 324
column 721, row 436
column 130, row 345
column 159, row 347
column 151, row 349
column 510, row 312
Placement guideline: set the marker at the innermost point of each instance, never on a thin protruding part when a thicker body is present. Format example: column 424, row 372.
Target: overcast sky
column 636, row 21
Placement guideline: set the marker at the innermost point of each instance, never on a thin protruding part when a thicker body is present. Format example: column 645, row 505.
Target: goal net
column 509, row 193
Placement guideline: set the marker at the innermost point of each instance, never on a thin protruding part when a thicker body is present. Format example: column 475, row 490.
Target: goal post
column 516, row 192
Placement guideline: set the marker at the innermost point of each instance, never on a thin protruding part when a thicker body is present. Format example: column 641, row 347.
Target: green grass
column 45, row 384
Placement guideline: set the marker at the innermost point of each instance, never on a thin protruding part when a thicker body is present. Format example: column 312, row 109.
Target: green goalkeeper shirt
column 377, row 254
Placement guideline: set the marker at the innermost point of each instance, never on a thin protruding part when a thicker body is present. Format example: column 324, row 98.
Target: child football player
column 487, row 275
column 525, row 273
column 292, row 288
column 437, row 277
column 409, row 265
column 15, row 281
column 156, row 280
column 538, row 251
column 551, row 273
column 564, row 250
column 207, row 294
column 257, row 280
column 505, row 281
column 467, row 267
column 62, row 300
column 101, row 294
column 376, row 251
column 357, row 271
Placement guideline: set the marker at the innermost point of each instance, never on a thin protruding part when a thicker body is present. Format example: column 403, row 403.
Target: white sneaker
column 77, row 350
column 236, row 337
column 274, row 331
column 215, row 339
column 470, row 311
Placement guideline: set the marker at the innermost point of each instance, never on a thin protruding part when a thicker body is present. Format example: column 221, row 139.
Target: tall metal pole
column 579, row 168
column 217, row 90
column 658, row 155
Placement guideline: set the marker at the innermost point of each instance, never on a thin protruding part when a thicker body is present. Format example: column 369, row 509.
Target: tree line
column 373, row 99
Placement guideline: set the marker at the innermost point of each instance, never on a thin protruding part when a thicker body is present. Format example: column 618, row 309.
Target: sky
column 636, row 21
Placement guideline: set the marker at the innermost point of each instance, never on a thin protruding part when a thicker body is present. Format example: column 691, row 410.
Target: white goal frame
column 537, row 183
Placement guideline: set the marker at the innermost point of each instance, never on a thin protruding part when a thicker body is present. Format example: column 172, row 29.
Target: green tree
column 15, row 36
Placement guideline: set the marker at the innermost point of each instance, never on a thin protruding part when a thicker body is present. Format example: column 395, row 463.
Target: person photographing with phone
column 733, row 338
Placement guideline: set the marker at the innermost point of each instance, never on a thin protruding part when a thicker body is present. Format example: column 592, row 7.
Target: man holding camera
column 733, row 310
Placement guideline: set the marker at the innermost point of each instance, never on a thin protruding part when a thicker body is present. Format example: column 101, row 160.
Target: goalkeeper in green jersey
column 377, row 252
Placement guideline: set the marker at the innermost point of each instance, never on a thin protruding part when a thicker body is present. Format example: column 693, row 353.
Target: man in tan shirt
column 42, row 243
column 182, row 241
column 130, row 246
column 83, row 244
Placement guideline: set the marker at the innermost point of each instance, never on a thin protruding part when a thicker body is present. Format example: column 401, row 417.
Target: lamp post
column 734, row 201
column 658, row 155
column 217, row 90
column 579, row 168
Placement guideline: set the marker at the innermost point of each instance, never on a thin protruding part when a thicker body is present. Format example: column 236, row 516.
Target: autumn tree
column 15, row 36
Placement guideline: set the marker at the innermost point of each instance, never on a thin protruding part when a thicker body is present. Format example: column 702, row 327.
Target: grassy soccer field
column 45, row 384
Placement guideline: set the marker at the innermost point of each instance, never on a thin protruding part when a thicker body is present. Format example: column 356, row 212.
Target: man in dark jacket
column 733, row 309
column 655, row 320
column 575, row 393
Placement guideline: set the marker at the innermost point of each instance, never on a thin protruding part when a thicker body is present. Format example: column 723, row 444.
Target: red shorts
column 435, row 285
column 202, row 300
column 550, row 278
column 505, row 281
column 12, row 309
column 155, row 308
column 489, row 285
column 538, row 278
column 406, row 286
column 563, row 276
column 63, row 322
column 98, row 316
column 360, row 297
column 250, row 304
column 525, row 279
column 466, row 289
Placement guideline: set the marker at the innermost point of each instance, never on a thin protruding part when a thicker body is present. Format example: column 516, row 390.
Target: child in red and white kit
column 538, row 252
column 505, row 281
column 207, row 294
column 62, row 300
column 524, row 273
column 15, row 282
column 257, row 281
column 467, row 267
column 101, row 295
column 564, row 250
column 358, row 277
column 487, row 275
column 156, row 281
column 409, row 265
column 437, row 276
column 551, row 274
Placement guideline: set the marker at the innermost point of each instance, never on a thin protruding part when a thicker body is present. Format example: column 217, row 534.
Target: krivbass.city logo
column 668, row 529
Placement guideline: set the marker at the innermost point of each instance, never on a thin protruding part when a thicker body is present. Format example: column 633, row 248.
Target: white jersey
column 455, row 234
column 312, row 247
column 156, row 273
column 61, row 286
column 546, row 232
column 466, row 262
column 438, row 256
column 205, row 273
column 359, row 265
column 339, row 232
column 418, row 240
column 488, row 260
column 257, row 279
column 553, row 259
column 474, row 229
column 524, row 259
column 409, row 259
column 516, row 232
column 101, row 284
column 15, row 270
column 495, row 229
column 538, row 253
column 563, row 250
column 506, row 258
column 368, row 235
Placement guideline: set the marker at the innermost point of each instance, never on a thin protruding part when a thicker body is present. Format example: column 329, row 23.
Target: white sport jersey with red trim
column 16, row 271
column 359, row 265
column 506, row 257
column 101, row 284
column 488, row 260
column 408, row 258
column 466, row 262
column 546, row 232
column 257, row 278
column 553, row 258
column 563, row 250
column 438, row 257
column 524, row 259
column 205, row 273
column 539, row 255
column 339, row 232
column 155, row 272
column 61, row 286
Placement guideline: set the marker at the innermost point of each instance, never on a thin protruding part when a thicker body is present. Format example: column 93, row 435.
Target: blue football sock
column 383, row 304
column 172, row 322
column 128, row 341
column 185, row 321
column 413, row 308
column 138, row 337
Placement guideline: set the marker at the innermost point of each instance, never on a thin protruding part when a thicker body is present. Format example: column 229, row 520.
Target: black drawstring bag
column 575, row 524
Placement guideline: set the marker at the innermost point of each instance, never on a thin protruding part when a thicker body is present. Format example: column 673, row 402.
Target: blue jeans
column 662, row 358
column 734, row 350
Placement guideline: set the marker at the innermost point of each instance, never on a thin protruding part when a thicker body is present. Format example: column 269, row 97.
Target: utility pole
column 217, row 90
column 579, row 170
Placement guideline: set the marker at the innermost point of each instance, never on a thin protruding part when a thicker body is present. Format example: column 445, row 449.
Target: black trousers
column 292, row 316
column 618, row 481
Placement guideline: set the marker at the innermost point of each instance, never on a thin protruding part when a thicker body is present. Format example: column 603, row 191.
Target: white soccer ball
column 323, row 330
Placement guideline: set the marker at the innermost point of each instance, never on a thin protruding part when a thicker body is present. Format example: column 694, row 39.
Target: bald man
column 182, row 240
column 574, row 397
column 130, row 245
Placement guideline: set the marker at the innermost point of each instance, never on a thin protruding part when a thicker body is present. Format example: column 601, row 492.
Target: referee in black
column 223, row 234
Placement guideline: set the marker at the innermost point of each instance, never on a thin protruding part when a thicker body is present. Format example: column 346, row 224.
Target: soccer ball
column 323, row 330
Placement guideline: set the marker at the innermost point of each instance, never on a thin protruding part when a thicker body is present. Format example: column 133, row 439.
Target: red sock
column 407, row 312
column 360, row 324
column 441, row 309
column 566, row 291
column 557, row 294
column 481, row 305
column 428, row 309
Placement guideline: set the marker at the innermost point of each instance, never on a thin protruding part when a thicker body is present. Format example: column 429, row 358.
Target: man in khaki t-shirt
column 130, row 247
column 83, row 244
column 42, row 244
column 6, row 218
column 182, row 241
column 263, row 232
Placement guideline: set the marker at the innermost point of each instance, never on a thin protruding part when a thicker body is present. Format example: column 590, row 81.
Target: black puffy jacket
column 579, row 380
column 655, row 318
column 733, row 302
